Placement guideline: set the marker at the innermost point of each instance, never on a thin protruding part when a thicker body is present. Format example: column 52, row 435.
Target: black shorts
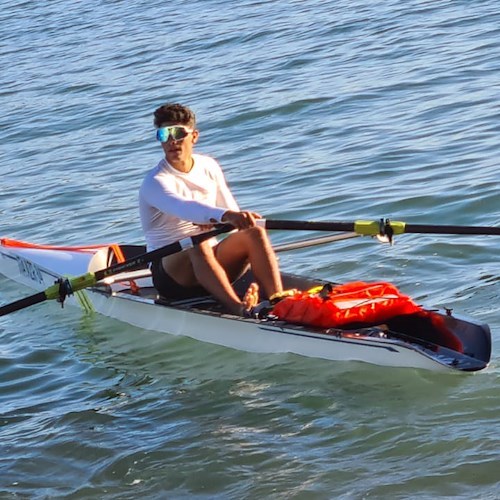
column 169, row 288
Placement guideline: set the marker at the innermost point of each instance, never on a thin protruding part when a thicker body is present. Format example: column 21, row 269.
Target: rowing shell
column 131, row 298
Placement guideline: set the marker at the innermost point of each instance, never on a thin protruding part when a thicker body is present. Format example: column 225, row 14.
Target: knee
column 257, row 235
column 202, row 251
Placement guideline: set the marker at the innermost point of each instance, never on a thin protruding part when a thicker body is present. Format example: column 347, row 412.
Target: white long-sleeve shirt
column 171, row 203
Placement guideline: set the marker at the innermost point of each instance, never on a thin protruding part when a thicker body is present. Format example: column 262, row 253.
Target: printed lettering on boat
column 29, row 270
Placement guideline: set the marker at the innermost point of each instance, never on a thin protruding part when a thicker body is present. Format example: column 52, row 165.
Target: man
column 185, row 194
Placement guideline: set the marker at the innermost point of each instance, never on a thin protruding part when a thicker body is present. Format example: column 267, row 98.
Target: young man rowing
column 185, row 194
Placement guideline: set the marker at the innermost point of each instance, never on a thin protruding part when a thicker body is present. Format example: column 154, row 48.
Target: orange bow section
column 9, row 242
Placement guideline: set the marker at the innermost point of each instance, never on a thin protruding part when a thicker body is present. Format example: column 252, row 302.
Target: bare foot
column 251, row 298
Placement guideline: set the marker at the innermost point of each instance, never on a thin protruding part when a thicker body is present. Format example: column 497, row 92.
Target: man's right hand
column 240, row 220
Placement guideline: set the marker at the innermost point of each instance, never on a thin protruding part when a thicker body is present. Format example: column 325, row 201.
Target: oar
column 382, row 227
column 65, row 287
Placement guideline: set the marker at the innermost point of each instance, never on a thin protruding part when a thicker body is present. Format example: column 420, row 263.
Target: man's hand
column 240, row 220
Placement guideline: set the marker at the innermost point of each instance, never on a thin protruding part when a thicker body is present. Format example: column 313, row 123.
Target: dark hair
column 174, row 113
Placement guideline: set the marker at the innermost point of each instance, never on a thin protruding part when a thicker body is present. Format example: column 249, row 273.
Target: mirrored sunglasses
column 177, row 133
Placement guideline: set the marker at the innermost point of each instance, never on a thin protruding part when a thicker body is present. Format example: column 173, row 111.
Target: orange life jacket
column 366, row 304
column 352, row 303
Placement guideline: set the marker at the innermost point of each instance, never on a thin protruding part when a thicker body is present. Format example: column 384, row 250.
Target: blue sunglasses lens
column 177, row 133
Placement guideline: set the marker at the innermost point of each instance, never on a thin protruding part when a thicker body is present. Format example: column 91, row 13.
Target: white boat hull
column 39, row 268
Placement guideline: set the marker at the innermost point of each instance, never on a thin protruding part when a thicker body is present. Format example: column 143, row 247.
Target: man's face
column 177, row 142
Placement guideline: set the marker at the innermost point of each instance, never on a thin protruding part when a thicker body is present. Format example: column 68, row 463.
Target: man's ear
column 195, row 134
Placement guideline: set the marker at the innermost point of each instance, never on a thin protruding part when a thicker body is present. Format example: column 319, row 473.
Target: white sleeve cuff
column 216, row 215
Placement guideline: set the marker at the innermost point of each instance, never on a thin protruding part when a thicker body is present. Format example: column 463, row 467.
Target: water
column 317, row 110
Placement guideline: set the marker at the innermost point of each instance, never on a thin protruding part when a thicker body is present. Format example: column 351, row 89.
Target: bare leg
column 251, row 246
column 198, row 266
column 215, row 271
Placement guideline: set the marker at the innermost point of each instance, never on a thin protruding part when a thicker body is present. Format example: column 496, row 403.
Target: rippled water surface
column 316, row 110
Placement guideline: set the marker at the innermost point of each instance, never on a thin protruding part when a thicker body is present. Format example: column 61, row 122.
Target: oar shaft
column 22, row 303
column 427, row 229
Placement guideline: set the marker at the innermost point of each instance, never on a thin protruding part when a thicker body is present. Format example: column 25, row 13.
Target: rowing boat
column 131, row 298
